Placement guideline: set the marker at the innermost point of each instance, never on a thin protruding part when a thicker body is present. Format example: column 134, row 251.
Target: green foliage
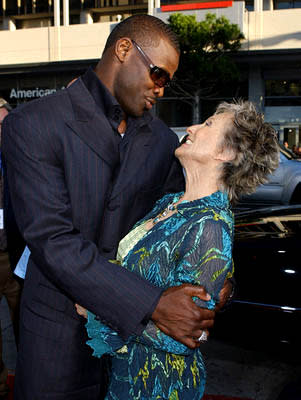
column 205, row 63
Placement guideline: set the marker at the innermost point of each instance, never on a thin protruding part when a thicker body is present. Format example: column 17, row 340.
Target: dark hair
column 255, row 145
column 145, row 29
column 5, row 104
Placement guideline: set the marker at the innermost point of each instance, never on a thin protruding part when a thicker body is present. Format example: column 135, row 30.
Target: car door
column 271, row 192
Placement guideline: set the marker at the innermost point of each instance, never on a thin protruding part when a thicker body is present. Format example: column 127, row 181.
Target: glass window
column 20, row 88
column 249, row 5
column 283, row 92
column 174, row 111
column 6, row 85
column 249, row 226
column 284, row 4
column 11, row 7
column 283, row 87
column 43, row 6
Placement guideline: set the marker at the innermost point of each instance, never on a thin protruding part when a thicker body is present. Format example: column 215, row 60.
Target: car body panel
column 280, row 186
column 268, row 275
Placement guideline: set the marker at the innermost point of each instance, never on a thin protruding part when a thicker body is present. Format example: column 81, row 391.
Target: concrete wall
column 74, row 42
column 276, row 29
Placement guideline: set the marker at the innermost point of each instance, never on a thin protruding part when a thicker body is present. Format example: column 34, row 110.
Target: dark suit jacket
column 60, row 157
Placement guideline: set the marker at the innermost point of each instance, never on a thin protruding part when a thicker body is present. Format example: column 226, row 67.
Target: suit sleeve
column 43, row 212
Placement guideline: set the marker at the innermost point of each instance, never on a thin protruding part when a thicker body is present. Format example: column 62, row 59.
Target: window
column 284, row 4
column 175, row 112
column 283, row 92
column 249, row 5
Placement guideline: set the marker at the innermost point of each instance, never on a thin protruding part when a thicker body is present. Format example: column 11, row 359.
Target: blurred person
column 84, row 165
column 187, row 238
column 285, row 144
column 9, row 286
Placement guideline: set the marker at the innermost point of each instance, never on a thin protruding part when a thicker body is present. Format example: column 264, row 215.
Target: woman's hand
column 225, row 295
column 81, row 311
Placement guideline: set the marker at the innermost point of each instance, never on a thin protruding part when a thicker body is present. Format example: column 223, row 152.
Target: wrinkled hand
column 81, row 311
column 179, row 317
column 224, row 295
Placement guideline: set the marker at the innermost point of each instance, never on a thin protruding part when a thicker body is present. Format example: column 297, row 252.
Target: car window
column 287, row 154
column 278, row 225
column 282, row 158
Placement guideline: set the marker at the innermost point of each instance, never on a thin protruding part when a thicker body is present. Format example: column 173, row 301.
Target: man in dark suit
column 84, row 165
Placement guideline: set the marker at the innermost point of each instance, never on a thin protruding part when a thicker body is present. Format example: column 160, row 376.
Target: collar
column 108, row 103
column 103, row 98
column 217, row 200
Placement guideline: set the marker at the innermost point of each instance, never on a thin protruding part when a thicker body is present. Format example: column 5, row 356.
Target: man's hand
column 224, row 295
column 179, row 317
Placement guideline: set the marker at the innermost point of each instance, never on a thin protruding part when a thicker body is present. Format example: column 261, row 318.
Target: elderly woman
column 187, row 238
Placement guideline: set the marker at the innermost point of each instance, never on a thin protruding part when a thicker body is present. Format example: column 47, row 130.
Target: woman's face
column 203, row 143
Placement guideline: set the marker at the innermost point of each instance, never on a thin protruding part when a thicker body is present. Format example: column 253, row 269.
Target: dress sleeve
column 207, row 257
column 204, row 258
column 104, row 340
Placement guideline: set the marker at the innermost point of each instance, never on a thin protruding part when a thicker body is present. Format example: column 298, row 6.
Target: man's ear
column 122, row 47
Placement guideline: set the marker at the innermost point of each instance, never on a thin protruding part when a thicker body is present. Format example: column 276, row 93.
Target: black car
column 267, row 307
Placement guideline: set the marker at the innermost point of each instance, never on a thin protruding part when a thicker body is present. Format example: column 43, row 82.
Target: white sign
column 1, row 219
column 30, row 93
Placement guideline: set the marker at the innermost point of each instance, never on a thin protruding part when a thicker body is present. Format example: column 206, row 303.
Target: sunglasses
column 158, row 75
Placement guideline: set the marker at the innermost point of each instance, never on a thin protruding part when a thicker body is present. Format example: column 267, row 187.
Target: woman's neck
column 200, row 182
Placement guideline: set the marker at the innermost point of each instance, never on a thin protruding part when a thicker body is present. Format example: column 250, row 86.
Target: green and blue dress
column 193, row 246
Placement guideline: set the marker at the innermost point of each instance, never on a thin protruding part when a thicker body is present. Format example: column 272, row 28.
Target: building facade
column 270, row 53
column 46, row 43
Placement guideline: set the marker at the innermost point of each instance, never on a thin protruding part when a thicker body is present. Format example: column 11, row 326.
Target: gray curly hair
column 255, row 145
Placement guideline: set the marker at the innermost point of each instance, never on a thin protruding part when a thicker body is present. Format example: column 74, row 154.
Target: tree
column 205, row 64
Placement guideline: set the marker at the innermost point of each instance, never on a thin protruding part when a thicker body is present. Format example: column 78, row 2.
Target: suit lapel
column 92, row 127
column 138, row 151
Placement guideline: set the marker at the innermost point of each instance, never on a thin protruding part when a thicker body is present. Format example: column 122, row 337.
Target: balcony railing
column 30, row 7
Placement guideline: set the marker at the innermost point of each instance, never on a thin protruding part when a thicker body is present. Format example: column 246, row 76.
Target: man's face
column 3, row 114
column 134, row 89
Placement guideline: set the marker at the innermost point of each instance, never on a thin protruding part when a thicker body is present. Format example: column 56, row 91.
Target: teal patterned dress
column 193, row 246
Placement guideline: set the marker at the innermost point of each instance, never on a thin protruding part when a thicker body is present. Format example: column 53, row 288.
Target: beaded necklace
column 171, row 207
